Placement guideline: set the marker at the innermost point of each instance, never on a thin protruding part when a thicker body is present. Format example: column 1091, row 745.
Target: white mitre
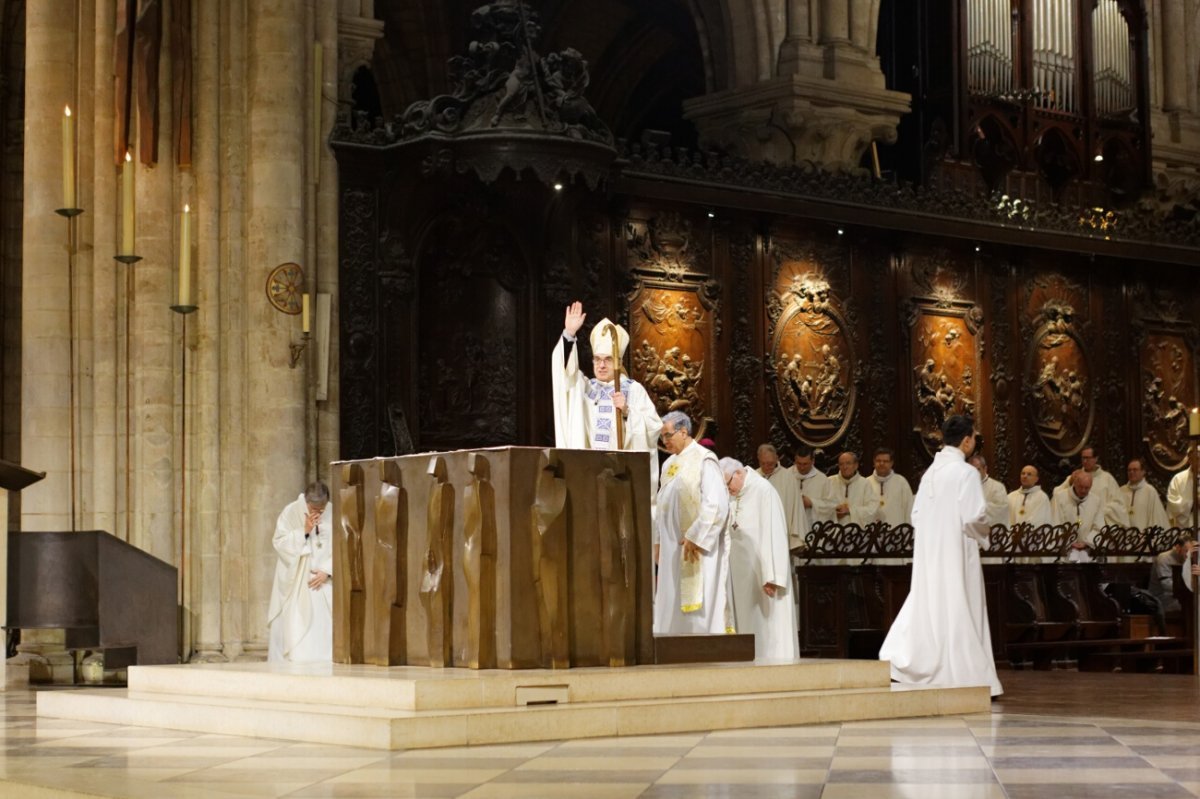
column 602, row 341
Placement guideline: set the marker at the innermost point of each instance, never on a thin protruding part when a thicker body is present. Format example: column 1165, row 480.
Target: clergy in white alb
column 856, row 503
column 586, row 409
column 786, row 484
column 993, row 492
column 1075, row 504
column 693, row 506
column 760, row 572
column 1029, row 504
column 891, row 493
column 1141, row 499
column 941, row 635
column 816, row 491
column 300, row 616
column 1105, row 488
column 1180, row 493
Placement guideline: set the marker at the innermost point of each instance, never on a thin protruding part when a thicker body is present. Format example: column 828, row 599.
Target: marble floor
column 1057, row 735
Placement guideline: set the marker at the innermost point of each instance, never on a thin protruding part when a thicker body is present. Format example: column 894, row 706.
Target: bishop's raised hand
column 574, row 319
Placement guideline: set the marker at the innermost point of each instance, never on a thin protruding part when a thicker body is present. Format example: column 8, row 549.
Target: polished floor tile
column 1043, row 741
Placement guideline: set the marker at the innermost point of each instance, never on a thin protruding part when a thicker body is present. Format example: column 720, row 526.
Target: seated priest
column 1074, row 503
column 1166, row 566
column 300, row 618
column 760, row 574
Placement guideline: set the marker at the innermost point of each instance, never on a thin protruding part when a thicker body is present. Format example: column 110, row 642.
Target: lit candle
column 185, row 258
column 127, row 230
column 1194, row 422
column 304, row 326
column 68, row 159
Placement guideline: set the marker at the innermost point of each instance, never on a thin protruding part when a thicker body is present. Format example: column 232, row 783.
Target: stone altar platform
column 414, row 707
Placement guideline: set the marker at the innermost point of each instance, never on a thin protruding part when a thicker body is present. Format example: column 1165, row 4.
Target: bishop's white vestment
column 693, row 504
column 1179, row 499
column 941, row 635
column 893, row 498
column 758, row 555
column 1108, row 494
column 1087, row 513
column 997, row 501
column 856, row 493
column 585, row 417
column 816, row 486
column 1029, row 506
column 300, row 619
column 787, row 485
column 1144, row 506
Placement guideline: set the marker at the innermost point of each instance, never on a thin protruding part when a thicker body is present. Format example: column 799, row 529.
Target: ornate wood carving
column 1058, row 386
column 671, row 332
column 744, row 369
column 1001, row 448
column 1167, row 387
column 358, row 297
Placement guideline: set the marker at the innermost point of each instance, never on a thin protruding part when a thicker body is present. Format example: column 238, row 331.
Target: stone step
column 383, row 728
column 418, row 688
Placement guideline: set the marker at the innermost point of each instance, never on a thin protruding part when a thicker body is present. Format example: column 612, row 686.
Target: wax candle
column 1194, row 422
column 127, row 229
column 68, row 131
column 304, row 325
column 185, row 258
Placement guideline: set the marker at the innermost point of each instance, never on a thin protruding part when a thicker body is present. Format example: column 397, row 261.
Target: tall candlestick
column 68, row 130
column 1194, row 422
column 185, row 258
column 127, row 229
column 304, row 326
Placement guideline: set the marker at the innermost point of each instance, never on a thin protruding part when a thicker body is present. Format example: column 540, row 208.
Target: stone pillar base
column 796, row 119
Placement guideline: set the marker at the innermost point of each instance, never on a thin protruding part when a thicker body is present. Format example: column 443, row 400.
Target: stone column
column 326, row 278
column 204, row 520
column 276, row 170
column 1174, row 60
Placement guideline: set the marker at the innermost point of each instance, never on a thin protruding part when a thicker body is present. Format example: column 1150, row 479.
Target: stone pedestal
column 510, row 558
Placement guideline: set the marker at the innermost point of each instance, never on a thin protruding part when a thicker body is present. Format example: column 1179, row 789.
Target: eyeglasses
column 667, row 436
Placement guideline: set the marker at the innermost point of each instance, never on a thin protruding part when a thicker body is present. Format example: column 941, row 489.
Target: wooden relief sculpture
column 617, row 562
column 548, row 528
column 811, row 357
column 350, row 584
column 1058, row 377
column 437, row 582
column 479, row 564
column 670, row 329
column 1168, row 380
column 385, row 629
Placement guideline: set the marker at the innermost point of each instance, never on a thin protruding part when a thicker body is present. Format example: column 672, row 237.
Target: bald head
column 1029, row 476
column 847, row 464
column 1081, row 483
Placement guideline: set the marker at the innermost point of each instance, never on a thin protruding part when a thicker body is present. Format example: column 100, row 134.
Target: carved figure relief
column 479, row 564
column 437, row 584
column 665, row 245
column 617, row 578
column 1058, row 378
column 811, row 360
column 549, row 536
column 1168, row 390
column 945, row 371
column 351, row 593
column 385, row 644
column 671, row 330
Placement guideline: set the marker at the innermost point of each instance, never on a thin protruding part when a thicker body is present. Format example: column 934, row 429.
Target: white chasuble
column 300, row 620
column 1144, row 506
column 1087, row 513
column 855, row 492
column 693, row 504
column 1179, row 499
column 997, row 501
column 941, row 635
column 1029, row 506
column 892, row 497
column 758, row 556
column 787, row 485
column 1107, row 493
column 816, row 486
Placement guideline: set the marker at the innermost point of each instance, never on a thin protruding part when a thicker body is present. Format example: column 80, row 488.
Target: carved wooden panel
column 812, row 364
column 671, row 332
column 944, row 347
column 471, row 278
column 1167, row 386
column 1059, row 390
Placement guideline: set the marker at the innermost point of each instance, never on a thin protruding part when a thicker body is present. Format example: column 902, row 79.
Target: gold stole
column 687, row 466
